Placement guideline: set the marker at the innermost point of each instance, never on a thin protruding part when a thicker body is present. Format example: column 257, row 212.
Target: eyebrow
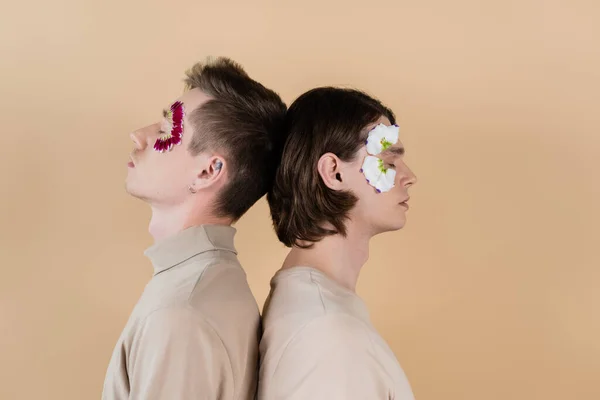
column 397, row 151
column 165, row 113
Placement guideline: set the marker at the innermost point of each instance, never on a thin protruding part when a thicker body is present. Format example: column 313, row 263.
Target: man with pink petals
column 194, row 332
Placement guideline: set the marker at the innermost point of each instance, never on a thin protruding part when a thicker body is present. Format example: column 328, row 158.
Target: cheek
column 357, row 183
column 168, row 163
column 169, row 176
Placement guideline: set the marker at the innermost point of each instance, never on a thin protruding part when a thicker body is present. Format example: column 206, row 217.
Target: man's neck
column 168, row 221
column 340, row 258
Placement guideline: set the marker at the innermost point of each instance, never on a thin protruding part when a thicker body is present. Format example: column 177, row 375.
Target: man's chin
column 393, row 226
column 135, row 192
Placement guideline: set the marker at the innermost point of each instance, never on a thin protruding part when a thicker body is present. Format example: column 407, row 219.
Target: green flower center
column 385, row 144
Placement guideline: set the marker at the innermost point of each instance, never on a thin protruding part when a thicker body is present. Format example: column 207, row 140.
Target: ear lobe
column 329, row 170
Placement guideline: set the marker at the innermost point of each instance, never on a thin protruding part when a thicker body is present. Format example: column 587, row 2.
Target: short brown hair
column 322, row 120
column 244, row 120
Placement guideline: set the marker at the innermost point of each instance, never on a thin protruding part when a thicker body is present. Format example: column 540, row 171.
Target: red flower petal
column 166, row 143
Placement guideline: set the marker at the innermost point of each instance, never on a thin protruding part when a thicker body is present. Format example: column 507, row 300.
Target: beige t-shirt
column 194, row 332
column 318, row 344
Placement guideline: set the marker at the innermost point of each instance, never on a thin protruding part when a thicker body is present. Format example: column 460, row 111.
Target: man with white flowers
column 341, row 181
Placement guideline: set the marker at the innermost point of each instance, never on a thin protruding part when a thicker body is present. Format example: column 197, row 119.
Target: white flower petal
column 370, row 169
column 386, row 181
column 382, row 134
column 374, row 146
column 377, row 176
column 392, row 133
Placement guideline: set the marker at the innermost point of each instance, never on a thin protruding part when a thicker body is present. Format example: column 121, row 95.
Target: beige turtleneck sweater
column 194, row 332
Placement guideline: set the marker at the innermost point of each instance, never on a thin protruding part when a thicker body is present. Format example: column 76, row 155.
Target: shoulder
column 221, row 270
column 177, row 330
column 300, row 296
column 333, row 330
column 222, row 294
column 175, row 320
column 295, row 293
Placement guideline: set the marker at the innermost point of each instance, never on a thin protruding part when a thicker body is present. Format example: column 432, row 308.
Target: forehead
column 192, row 99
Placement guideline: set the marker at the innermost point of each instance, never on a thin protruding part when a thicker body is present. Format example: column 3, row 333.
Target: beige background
column 492, row 290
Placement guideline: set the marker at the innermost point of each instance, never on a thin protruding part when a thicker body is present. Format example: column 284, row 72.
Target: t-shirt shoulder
column 332, row 331
column 176, row 320
column 303, row 296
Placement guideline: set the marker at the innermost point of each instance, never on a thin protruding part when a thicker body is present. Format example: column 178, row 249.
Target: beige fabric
column 194, row 332
column 318, row 344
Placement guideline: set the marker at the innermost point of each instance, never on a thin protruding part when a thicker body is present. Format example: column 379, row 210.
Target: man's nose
column 412, row 178
column 137, row 140
column 140, row 137
column 408, row 177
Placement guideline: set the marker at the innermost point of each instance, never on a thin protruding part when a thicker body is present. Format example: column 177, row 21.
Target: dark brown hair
column 244, row 120
column 320, row 121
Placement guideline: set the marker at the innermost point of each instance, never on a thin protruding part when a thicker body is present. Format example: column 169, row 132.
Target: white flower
column 377, row 175
column 381, row 138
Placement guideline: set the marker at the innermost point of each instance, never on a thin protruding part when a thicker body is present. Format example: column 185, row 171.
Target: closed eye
column 395, row 151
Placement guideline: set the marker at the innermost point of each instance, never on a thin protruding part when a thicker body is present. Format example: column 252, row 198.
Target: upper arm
column 331, row 358
column 176, row 354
